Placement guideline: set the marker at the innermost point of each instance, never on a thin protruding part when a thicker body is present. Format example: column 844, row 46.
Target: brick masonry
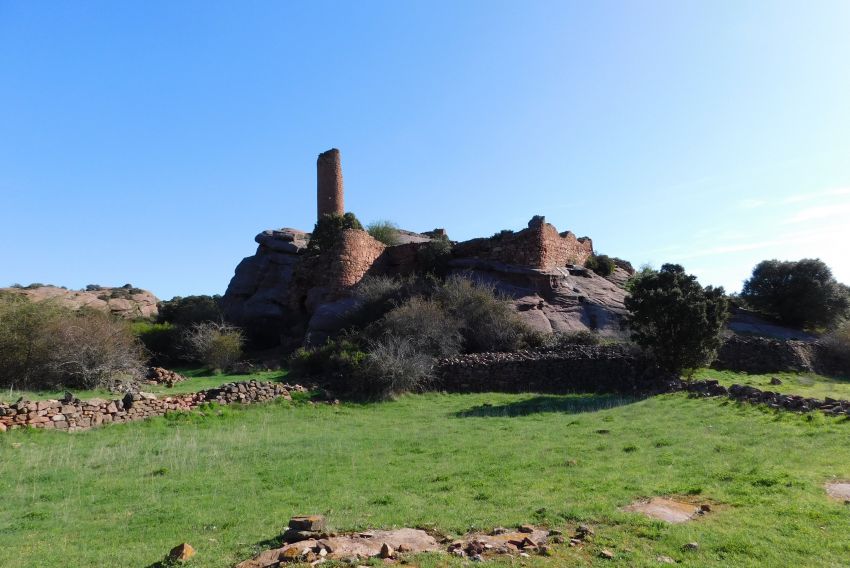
column 539, row 246
column 329, row 185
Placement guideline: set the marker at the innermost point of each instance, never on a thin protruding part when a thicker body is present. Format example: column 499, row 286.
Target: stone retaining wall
column 759, row 355
column 776, row 400
column 572, row 368
column 73, row 414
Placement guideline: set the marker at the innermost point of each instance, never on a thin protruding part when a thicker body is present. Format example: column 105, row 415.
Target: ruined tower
column 329, row 183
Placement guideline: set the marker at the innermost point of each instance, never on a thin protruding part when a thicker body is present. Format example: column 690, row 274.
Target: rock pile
column 310, row 542
column 161, row 376
column 71, row 414
column 779, row 401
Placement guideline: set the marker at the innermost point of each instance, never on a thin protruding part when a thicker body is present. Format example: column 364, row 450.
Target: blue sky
column 148, row 142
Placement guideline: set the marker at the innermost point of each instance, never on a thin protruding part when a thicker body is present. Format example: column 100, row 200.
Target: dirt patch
column 668, row 510
column 838, row 490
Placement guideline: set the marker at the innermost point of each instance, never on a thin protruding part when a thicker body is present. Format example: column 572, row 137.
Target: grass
column 227, row 479
column 197, row 380
column 805, row 384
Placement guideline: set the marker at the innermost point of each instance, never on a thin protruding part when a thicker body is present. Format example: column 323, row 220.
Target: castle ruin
column 329, row 187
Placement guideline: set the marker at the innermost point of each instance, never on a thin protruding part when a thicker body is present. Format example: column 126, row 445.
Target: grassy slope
column 805, row 384
column 197, row 380
column 123, row 495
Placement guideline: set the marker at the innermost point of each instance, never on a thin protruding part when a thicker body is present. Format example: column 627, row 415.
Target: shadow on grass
column 569, row 404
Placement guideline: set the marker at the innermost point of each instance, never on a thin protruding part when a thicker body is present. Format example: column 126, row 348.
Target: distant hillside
column 125, row 302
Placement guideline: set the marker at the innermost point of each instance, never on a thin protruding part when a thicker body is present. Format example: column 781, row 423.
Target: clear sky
column 148, row 142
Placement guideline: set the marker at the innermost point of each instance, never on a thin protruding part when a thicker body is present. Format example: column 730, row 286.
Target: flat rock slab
column 343, row 547
column 497, row 540
column 839, row 490
column 665, row 510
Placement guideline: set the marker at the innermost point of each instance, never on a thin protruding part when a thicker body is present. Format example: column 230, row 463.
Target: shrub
column 675, row 318
column 384, row 231
column 93, row 287
column 837, row 347
column 434, row 256
column 601, row 264
column 160, row 339
column 488, row 322
column 334, row 362
column 425, row 325
column 190, row 310
column 801, row 293
column 93, row 351
column 23, row 346
column 392, row 366
column 216, row 345
column 43, row 345
column 377, row 295
column 328, row 230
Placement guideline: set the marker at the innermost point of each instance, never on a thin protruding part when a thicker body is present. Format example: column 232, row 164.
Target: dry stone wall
column 352, row 258
column 72, row 414
column 572, row 368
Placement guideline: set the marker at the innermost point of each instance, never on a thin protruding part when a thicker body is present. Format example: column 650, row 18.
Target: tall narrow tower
column 329, row 190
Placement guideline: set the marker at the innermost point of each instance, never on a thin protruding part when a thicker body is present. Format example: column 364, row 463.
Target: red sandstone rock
column 181, row 552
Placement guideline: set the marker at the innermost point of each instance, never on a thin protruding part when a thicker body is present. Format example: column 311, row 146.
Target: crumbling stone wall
column 75, row 414
column 329, row 190
column 538, row 246
column 573, row 368
column 757, row 355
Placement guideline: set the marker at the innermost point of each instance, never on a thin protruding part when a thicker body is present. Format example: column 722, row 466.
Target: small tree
column 801, row 293
column 216, row 345
column 675, row 318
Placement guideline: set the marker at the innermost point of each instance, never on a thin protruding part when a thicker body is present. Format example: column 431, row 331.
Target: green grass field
column 196, row 380
column 805, row 384
column 227, row 480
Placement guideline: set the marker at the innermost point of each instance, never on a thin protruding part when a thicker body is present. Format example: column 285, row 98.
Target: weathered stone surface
column 181, row 552
column 141, row 304
column 839, row 490
column 308, row 523
column 664, row 509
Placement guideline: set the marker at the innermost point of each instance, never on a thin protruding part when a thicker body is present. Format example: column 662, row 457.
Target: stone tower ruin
column 329, row 183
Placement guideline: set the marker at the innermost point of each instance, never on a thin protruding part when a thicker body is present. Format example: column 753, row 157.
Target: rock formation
column 129, row 303
column 281, row 290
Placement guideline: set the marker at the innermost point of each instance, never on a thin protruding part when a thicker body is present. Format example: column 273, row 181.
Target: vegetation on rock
column 328, row 230
column 601, row 264
column 384, row 231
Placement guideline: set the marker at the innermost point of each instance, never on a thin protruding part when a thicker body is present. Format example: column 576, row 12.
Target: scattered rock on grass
column 181, row 552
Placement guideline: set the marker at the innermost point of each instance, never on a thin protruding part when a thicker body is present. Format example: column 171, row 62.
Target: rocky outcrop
column 125, row 302
column 561, row 299
column 258, row 296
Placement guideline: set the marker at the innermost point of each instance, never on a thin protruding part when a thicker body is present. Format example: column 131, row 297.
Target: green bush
column 335, row 362
column 434, row 256
column 837, row 347
column 488, row 322
column 216, row 345
column 190, row 310
column 601, row 264
column 328, row 231
column 384, row 231
column 802, row 293
column 162, row 340
column 676, row 319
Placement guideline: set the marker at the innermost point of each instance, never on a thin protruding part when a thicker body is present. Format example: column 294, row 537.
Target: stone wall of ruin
column 354, row 256
column 539, row 246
